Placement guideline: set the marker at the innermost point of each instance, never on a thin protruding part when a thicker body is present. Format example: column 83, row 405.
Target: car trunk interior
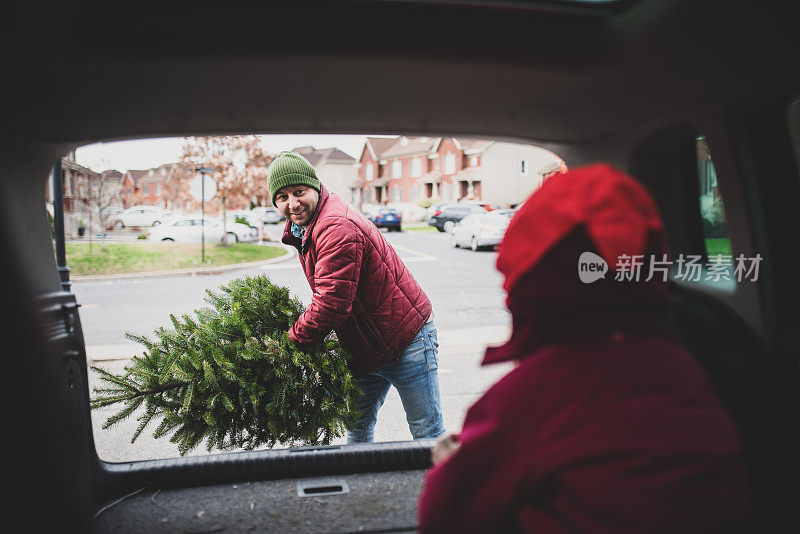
column 633, row 83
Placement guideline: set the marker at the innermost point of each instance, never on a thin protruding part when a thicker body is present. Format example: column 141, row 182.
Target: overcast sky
column 149, row 153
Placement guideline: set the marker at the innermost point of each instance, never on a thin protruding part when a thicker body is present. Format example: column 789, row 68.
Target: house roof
column 467, row 173
column 431, row 177
column 474, row 146
column 143, row 176
column 67, row 163
column 378, row 145
column 409, row 146
column 112, row 175
column 319, row 157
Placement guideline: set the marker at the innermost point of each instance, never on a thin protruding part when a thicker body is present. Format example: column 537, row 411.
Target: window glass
column 449, row 163
column 464, row 287
column 712, row 209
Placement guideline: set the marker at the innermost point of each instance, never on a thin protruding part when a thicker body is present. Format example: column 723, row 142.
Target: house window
column 369, row 172
column 449, row 163
column 473, row 161
column 416, row 167
column 397, row 168
column 158, row 189
column 523, row 166
column 397, row 193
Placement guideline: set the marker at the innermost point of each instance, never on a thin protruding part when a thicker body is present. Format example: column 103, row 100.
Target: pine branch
column 230, row 377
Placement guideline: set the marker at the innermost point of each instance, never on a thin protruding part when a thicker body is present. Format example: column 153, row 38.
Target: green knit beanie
column 289, row 168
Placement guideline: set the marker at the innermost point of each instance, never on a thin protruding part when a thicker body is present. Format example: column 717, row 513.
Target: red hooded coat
column 604, row 426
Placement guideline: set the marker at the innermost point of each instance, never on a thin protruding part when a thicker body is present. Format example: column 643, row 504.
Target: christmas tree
column 230, row 376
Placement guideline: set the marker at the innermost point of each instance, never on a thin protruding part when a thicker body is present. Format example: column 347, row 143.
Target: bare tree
column 240, row 168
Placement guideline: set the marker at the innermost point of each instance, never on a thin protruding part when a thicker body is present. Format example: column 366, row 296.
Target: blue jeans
column 414, row 374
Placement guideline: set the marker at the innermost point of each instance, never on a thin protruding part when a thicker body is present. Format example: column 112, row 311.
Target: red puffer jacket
column 361, row 288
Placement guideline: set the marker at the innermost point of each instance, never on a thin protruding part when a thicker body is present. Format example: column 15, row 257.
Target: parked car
column 269, row 214
column 112, row 218
column 481, row 203
column 237, row 232
column 446, row 217
column 143, row 216
column 388, row 218
column 479, row 230
column 190, row 229
column 253, row 219
column 504, row 212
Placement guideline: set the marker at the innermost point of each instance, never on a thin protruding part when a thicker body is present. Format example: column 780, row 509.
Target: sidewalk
column 450, row 341
column 291, row 252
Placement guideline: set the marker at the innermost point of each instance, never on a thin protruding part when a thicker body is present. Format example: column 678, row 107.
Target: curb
column 193, row 271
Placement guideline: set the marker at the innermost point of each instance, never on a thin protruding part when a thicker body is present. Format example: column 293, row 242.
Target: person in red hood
column 604, row 425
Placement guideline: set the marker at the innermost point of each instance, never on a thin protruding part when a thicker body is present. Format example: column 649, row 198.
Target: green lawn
column 718, row 246
column 119, row 258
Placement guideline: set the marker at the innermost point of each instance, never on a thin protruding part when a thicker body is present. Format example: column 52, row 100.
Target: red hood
column 591, row 209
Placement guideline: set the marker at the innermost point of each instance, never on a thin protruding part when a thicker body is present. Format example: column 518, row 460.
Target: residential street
column 464, row 286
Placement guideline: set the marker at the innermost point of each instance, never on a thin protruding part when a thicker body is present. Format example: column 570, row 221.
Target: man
column 363, row 291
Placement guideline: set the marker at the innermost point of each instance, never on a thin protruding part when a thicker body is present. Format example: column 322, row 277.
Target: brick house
column 407, row 170
column 85, row 193
column 335, row 168
column 152, row 187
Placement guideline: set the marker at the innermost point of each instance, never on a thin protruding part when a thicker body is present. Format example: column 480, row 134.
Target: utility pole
column 203, row 171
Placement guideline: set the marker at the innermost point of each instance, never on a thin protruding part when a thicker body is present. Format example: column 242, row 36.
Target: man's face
column 297, row 203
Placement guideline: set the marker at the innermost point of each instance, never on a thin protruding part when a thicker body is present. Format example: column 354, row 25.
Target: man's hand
column 303, row 347
column 445, row 448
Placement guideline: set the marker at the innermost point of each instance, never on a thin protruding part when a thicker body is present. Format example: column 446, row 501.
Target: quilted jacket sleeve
column 339, row 247
column 476, row 489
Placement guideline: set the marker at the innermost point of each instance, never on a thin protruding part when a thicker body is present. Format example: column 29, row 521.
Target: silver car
column 479, row 230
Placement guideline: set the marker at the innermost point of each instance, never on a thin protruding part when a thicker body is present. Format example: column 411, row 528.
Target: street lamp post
column 203, row 171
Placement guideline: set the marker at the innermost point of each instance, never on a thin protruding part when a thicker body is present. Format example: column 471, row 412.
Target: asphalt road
column 464, row 287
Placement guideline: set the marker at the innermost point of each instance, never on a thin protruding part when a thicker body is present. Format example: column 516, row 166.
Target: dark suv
column 446, row 217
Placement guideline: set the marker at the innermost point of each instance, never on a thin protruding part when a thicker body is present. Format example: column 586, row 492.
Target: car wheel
column 440, row 229
column 118, row 225
column 474, row 244
column 453, row 242
column 168, row 240
column 156, row 223
column 448, row 226
column 230, row 237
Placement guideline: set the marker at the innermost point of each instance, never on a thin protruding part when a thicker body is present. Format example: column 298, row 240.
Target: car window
column 114, row 310
column 712, row 207
column 495, row 220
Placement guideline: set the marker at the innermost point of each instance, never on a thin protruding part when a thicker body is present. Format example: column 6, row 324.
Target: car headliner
column 254, row 72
